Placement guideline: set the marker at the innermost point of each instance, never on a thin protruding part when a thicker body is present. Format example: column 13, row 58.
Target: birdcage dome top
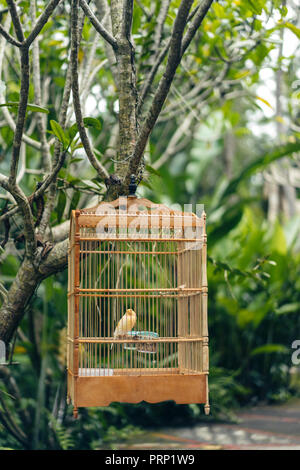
column 135, row 217
column 134, row 206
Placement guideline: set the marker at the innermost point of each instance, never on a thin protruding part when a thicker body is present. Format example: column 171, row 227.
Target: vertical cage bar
column 180, row 306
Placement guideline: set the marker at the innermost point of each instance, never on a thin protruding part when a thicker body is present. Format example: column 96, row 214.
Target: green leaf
column 146, row 184
column 92, row 122
column 219, row 10
column 61, row 205
column 263, row 100
column 288, row 308
column 269, row 348
column 76, row 147
column 59, row 133
column 74, row 201
column 256, row 6
column 227, row 219
column 73, row 180
column 95, row 180
column 152, row 170
column 259, row 164
column 37, row 109
column 76, row 160
column 283, row 10
column 72, row 131
column 278, row 240
column 30, row 107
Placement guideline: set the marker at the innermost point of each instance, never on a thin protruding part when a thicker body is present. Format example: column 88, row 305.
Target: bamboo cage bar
column 140, row 239
column 133, row 341
column 162, row 290
column 157, row 281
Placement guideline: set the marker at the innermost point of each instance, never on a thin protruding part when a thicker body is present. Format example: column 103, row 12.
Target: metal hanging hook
column 132, row 186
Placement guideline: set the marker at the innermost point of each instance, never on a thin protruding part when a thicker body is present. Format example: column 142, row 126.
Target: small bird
column 126, row 323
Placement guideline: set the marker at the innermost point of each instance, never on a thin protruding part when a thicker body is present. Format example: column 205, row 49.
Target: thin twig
column 161, row 18
column 16, row 20
column 41, row 124
column 21, row 114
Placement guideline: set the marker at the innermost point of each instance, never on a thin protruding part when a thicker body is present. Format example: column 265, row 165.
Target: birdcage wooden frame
column 154, row 261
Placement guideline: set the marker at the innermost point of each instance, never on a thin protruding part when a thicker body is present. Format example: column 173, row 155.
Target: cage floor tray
column 101, row 391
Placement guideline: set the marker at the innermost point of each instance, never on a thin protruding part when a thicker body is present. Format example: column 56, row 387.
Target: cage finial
column 132, row 186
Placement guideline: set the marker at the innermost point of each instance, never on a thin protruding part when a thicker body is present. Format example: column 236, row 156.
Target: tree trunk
column 121, row 14
column 24, row 286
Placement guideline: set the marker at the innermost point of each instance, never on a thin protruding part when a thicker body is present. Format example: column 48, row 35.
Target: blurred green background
column 232, row 145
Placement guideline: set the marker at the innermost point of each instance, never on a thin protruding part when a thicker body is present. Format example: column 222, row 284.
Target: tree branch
column 50, row 177
column 102, row 172
column 23, row 204
column 9, row 213
column 195, row 24
column 24, row 286
column 174, row 58
column 21, row 114
column 29, row 233
column 3, row 291
column 11, row 185
column 147, row 85
column 97, row 25
column 16, row 20
column 161, row 18
column 177, row 47
column 42, row 20
column 41, row 121
column 121, row 14
column 9, row 38
column 59, row 153
column 127, row 18
column 182, row 129
column 25, row 138
column 103, row 12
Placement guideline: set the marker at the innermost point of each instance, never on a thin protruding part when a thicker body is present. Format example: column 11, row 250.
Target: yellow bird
column 126, row 323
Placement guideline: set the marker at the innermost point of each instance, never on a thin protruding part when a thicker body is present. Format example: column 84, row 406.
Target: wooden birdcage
column 133, row 254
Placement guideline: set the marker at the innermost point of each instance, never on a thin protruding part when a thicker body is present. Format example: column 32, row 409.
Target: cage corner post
column 205, row 348
column 76, row 310
column 70, row 289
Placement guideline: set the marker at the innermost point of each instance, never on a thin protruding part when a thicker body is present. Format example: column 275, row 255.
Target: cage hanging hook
column 132, row 186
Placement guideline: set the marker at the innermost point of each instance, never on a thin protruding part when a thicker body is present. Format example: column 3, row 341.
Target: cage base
column 102, row 391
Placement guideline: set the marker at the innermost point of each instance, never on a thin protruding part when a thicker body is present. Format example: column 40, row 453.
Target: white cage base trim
column 90, row 372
